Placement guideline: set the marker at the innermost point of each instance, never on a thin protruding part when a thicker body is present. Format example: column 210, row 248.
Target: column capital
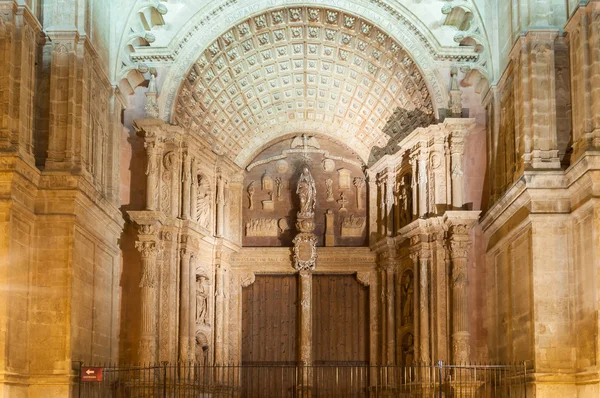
column 148, row 248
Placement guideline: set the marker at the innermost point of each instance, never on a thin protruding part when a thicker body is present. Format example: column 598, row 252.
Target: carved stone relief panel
column 271, row 203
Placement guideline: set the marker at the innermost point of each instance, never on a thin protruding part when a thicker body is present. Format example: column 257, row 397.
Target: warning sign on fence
column 91, row 374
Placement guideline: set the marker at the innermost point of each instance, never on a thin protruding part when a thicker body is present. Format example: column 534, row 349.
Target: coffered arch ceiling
column 295, row 69
column 370, row 71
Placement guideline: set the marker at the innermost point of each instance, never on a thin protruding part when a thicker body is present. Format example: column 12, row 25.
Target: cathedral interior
column 376, row 183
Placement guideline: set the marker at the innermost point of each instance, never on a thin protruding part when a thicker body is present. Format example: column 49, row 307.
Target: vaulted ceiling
column 300, row 69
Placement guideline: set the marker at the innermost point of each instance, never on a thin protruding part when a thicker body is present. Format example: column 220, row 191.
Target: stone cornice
column 560, row 187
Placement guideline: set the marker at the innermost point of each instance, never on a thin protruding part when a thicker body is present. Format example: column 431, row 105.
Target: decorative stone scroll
column 262, row 227
column 353, row 226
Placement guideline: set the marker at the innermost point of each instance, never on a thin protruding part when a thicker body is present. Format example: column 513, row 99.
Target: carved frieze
column 353, row 226
column 262, row 227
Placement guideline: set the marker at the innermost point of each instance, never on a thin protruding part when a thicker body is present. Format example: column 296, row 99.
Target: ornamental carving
column 364, row 278
column 262, row 227
column 305, row 252
column 147, row 248
column 353, row 226
column 407, row 297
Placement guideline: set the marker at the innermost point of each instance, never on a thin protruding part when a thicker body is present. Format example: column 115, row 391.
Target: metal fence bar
column 181, row 380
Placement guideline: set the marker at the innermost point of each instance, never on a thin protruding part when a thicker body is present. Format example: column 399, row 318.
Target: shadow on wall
column 399, row 126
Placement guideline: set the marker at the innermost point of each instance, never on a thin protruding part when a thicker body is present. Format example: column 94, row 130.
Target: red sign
column 91, row 374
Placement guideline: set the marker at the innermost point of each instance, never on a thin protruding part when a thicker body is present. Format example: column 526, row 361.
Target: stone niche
column 270, row 202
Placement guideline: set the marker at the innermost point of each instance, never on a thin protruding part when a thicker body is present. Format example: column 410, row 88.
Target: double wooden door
column 270, row 334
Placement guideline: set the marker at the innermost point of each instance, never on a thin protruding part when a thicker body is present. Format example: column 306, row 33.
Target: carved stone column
column 176, row 185
column 220, row 205
column 457, row 174
column 185, row 202
column 459, row 224
column 148, row 244
column 148, row 282
column 191, row 326
column 424, row 260
column 422, row 181
column 152, row 172
column 221, row 351
column 421, row 256
column 584, row 36
column 372, row 206
column 305, row 294
column 389, row 201
column 459, row 283
column 534, row 57
column 415, row 203
column 66, row 63
column 194, row 189
column 185, row 310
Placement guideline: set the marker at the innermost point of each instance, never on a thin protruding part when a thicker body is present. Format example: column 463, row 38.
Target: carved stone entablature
column 148, row 222
column 280, row 258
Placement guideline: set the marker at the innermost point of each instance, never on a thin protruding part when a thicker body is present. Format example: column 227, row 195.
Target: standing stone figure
column 306, row 190
column 278, row 184
column 407, row 298
column 251, row 191
column 201, row 300
column 203, row 204
column 329, row 189
column 409, row 350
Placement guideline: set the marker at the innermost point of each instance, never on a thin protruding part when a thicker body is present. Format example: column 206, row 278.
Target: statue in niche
column 306, row 190
column 251, row 191
column 201, row 300
column 203, row 203
column 201, row 350
column 409, row 350
column 278, row 185
column 329, row 189
column 405, row 202
column 407, row 294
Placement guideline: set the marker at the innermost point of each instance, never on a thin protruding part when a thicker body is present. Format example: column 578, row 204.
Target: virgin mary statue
column 306, row 191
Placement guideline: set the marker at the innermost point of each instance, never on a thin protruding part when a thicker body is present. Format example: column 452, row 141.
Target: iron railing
column 295, row 381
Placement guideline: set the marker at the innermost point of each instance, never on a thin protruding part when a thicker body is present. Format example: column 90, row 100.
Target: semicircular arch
column 343, row 76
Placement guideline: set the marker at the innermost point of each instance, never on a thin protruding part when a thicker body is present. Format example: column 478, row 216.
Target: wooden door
column 269, row 336
column 340, row 336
